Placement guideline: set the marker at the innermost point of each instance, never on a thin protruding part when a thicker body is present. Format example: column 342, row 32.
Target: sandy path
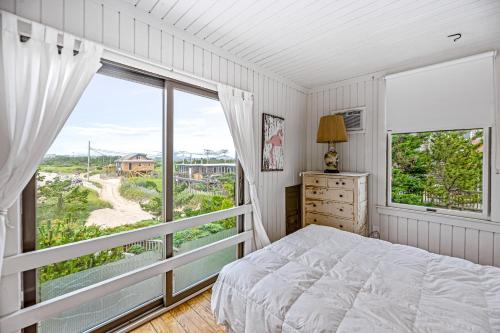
column 123, row 212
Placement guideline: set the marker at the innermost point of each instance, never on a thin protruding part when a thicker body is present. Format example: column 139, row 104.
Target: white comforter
column 321, row 279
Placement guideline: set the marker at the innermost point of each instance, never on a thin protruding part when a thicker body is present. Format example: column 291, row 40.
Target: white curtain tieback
column 3, row 212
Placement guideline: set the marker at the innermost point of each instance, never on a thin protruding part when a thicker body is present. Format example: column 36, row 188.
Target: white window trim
column 484, row 215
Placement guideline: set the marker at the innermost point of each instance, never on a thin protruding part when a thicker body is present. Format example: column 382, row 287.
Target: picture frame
column 273, row 138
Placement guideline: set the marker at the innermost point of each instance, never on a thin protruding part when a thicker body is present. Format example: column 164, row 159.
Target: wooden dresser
column 338, row 200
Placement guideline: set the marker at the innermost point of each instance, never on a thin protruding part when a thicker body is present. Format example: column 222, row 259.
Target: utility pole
column 88, row 163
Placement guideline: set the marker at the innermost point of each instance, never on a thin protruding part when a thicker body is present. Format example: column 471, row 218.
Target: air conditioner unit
column 353, row 118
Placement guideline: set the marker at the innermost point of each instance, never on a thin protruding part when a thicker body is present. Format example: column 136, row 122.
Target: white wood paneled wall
column 124, row 27
column 357, row 154
column 477, row 242
column 474, row 240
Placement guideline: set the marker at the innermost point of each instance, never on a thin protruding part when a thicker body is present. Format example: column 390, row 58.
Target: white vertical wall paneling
column 412, row 232
column 223, row 66
column 198, row 61
column 92, row 28
column 215, row 67
column 458, row 242
column 445, row 239
column 8, row 5
column 402, row 230
column 131, row 31
column 434, row 237
column 178, row 60
column 230, row 73
column 31, row 9
column 141, row 38
column 384, row 227
column 485, row 248
column 423, row 234
column 73, row 16
column 472, row 245
column 52, row 13
column 155, row 44
column 393, row 229
column 126, row 38
column 111, row 27
column 188, row 57
column 207, row 64
column 496, row 249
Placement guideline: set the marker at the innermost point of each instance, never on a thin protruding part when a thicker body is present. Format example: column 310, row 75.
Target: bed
column 321, row 279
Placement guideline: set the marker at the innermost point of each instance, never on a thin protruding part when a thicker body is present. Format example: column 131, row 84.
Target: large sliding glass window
column 102, row 175
column 204, row 170
column 136, row 151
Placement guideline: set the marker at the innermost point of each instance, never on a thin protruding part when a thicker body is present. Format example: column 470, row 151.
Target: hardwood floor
column 194, row 316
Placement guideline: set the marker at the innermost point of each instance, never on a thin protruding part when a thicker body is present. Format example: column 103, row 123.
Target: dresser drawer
column 341, row 195
column 330, row 207
column 342, row 210
column 343, row 183
column 320, row 193
column 331, row 221
column 317, row 206
column 315, row 181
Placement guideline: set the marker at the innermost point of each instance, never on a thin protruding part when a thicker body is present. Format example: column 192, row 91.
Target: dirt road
column 123, row 212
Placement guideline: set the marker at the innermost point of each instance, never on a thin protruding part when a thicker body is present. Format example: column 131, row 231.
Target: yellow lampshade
column 331, row 129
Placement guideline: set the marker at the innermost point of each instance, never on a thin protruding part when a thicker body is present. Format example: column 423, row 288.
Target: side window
column 441, row 170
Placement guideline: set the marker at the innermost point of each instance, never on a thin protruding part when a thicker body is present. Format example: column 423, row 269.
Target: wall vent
column 353, row 119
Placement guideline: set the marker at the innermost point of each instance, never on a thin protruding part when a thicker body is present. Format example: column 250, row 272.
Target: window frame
column 168, row 298
column 171, row 85
column 484, row 215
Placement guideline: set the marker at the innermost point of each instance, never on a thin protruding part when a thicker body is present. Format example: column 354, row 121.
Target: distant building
column 134, row 164
column 200, row 171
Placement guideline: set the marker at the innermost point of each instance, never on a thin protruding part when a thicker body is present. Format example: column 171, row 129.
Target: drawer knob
column 343, row 183
column 341, row 226
column 340, row 195
column 314, row 192
column 341, row 209
column 314, row 205
column 317, row 181
column 336, row 183
column 315, row 220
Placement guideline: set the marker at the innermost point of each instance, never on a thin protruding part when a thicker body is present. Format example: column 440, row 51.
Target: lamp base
column 331, row 160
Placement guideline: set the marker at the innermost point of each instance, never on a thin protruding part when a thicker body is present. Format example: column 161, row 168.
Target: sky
column 126, row 117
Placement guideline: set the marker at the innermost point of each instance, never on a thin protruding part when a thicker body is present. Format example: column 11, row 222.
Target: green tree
column 456, row 167
column 410, row 165
column 441, row 169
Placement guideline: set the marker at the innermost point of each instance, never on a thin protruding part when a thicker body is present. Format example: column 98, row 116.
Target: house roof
column 130, row 158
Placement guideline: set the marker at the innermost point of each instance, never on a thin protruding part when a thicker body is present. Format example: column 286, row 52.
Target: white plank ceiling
column 314, row 42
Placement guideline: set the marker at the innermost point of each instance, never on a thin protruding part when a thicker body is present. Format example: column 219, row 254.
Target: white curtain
column 39, row 87
column 238, row 109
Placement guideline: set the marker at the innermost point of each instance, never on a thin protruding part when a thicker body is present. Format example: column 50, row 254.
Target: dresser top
column 340, row 174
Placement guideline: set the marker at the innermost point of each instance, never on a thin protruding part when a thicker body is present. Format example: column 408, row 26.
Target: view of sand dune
column 123, row 212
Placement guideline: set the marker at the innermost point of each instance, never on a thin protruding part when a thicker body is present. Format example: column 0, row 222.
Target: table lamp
column 331, row 130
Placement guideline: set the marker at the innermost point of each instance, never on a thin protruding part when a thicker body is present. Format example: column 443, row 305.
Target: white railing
column 31, row 260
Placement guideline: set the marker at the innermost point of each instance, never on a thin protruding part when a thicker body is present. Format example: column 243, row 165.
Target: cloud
column 115, row 130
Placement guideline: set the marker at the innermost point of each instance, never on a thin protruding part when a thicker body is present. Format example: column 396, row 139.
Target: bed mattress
column 320, row 279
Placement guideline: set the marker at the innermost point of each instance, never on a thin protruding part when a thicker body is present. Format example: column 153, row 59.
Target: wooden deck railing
column 31, row 260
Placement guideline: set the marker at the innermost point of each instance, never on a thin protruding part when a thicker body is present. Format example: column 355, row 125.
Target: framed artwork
column 273, row 135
